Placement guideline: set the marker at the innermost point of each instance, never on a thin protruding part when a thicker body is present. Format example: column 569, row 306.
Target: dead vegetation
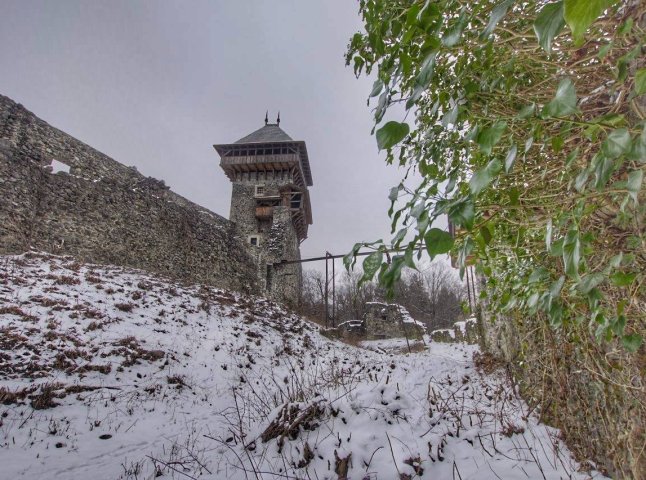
column 292, row 419
column 487, row 363
column 132, row 352
column 19, row 312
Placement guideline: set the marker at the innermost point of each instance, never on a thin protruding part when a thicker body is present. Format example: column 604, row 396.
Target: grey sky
column 155, row 84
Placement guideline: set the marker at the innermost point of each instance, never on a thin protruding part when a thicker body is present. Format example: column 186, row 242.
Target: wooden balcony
column 264, row 212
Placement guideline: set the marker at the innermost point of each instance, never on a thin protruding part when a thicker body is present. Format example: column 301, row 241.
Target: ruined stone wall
column 384, row 320
column 105, row 212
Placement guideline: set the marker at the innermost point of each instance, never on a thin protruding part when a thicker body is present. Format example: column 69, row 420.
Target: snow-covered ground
column 110, row 373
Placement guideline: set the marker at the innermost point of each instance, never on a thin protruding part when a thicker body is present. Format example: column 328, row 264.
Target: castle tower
column 270, row 204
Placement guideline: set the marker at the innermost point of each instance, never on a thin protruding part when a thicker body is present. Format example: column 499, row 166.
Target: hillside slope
column 112, row 373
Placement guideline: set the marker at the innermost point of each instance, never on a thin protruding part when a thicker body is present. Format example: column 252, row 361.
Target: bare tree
column 433, row 296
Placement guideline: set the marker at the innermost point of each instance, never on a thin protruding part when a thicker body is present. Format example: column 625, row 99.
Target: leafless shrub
column 178, row 380
column 486, row 362
column 74, row 266
column 93, row 326
column 125, row 307
column 93, row 278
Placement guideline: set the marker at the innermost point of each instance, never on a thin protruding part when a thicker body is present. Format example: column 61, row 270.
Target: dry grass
column 15, row 310
column 67, row 280
column 45, row 398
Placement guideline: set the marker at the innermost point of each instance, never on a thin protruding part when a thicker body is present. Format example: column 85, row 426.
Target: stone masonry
column 104, row 212
column 389, row 320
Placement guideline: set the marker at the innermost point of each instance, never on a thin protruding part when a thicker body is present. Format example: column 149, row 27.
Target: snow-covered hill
column 111, row 373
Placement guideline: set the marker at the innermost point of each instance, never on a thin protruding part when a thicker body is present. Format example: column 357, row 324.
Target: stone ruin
column 464, row 331
column 383, row 320
column 61, row 196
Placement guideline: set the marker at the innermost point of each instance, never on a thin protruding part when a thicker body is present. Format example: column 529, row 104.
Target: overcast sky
column 155, row 84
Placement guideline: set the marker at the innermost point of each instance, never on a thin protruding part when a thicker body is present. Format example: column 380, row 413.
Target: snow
column 462, row 325
column 406, row 318
column 152, row 378
column 59, row 167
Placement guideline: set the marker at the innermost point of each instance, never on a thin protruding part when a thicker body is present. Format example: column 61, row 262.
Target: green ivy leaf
column 581, row 179
column 572, row 253
column 510, row 158
column 377, row 87
column 452, row 36
column 438, row 242
column 394, row 193
column 617, row 143
column 571, row 157
column 451, row 116
column 580, row 14
column 640, row 81
column 390, row 276
column 638, row 150
column 555, row 288
column 371, row 264
column 548, row 24
column 621, row 279
column 351, row 258
column 489, row 137
column 498, row 12
column 605, row 168
column 485, row 233
column 627, row 27
column 589, row 282
column 634, row 183
column 618, row 325
column 462, row 214
column 391, row 134
column 631, row 342
column 527, row 111
column 548, row 235
column 564, row 102
column 482, row 178
column 463, row 254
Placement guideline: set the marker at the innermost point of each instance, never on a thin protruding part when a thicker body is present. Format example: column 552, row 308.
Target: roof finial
column 266, row 117
column 278, row 119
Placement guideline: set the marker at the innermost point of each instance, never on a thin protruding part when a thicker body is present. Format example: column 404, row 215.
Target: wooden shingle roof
column 269, row 133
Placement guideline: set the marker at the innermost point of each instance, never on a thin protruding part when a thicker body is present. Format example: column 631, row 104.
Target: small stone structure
column 59, row 195
column 389, row 320
column 464, row 331
column 351, row 329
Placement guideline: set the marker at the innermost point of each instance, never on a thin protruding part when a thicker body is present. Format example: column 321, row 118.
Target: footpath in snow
column 111, row 373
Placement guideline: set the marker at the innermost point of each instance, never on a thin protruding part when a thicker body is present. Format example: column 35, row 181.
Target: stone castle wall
column 105, row 212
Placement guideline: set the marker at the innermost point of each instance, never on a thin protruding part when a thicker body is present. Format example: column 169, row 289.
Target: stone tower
column 270, row 204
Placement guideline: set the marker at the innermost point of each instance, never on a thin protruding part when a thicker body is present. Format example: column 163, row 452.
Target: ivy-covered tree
column 529, row 135
column 526, row 122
